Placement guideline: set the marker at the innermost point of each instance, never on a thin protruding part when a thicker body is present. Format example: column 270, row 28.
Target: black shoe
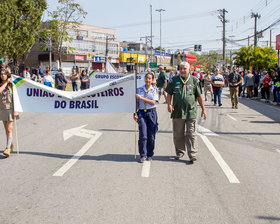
column 179, row 156
column 220, row 105
column 149, row 158
column 142, row 159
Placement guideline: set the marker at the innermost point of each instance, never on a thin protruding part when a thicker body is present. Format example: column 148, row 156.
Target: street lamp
column 160, row 10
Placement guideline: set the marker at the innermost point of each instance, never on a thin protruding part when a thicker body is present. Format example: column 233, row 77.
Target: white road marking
column 231, row 117
column 205, row 131
column 146, row 169
column 226, row 169
column 277, row 150
column 92, row 135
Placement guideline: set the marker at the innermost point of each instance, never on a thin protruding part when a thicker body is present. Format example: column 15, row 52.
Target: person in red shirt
column 266, row 85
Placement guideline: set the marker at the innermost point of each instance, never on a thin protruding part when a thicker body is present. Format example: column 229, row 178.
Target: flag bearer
column 146, row 116
column 7, row 114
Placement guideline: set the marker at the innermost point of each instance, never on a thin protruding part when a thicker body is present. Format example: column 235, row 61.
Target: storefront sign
column 79, row 58
column 278, row 42
column 99, row 59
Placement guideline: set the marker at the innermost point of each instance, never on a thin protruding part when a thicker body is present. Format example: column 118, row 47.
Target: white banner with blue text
column 117, row 96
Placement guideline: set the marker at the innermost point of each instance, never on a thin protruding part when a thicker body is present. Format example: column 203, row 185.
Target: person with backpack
column 60, row 80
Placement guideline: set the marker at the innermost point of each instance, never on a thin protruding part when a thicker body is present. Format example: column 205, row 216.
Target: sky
column 184, row 23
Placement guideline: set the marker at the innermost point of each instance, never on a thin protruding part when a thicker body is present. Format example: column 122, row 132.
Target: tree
column 20, row 21
column 209, row 60
column 256, row 57
column 160, row 49
column 67, row 17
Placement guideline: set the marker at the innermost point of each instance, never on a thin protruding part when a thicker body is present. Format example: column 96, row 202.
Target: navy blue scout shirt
column 151, row 94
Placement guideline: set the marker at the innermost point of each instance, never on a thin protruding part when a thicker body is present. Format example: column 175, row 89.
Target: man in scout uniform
column 185, row 91
column 161, row 82
column 234, row 80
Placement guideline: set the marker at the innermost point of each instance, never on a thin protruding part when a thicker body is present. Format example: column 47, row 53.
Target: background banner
column 116, row 96
column 97, row 78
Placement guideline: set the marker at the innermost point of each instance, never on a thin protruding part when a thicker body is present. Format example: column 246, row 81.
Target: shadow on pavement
column 120, row 130
column 265, row 109
column 110, row 157
column 271, row 218
column 3, row 157
column 265, row 122
column 246, row 133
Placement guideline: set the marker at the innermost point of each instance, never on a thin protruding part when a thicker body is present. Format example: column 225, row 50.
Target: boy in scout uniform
column 185, row 91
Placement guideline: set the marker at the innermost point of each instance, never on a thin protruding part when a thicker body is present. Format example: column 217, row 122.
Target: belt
column 148, row 110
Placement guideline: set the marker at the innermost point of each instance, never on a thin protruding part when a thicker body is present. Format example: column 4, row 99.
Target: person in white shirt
column 218, row 82
column 48, row 79
column 26, row 74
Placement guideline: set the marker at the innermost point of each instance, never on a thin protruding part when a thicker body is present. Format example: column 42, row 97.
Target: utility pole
column 107, row 50
column 222, row 18
column 256, row 16
column 151, row 11
column 270, row 37
column 147, row 38
column 50, row 52
column 160, row 10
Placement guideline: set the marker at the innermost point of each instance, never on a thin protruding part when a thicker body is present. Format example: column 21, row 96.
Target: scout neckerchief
column 4, row 96
column 146, row 95
column 184, row 93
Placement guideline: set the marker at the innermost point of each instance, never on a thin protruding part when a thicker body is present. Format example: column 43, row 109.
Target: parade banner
column 97, row 78
column 116, row 96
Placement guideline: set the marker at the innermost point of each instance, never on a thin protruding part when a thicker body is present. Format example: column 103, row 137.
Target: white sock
column 9, row 141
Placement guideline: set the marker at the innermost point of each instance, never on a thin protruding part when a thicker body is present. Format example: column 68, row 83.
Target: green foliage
column 20, row 21
column 257, row 57
column 159, row 49
column 209, row 60
column 67, row 16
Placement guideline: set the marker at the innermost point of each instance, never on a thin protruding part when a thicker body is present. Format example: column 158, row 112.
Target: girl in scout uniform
column 146, row 116
column 7, row 114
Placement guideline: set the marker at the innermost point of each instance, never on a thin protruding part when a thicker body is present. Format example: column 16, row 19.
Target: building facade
column 91, row 46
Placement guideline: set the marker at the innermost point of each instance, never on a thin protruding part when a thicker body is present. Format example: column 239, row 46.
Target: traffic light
column 197, row 47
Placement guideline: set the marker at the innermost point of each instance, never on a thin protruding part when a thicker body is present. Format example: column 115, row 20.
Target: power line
column 202, row 14
column 271, row 25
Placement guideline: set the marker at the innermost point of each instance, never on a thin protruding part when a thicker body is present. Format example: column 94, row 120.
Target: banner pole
column 16, row 136
column 135, row 129
column 135, row 143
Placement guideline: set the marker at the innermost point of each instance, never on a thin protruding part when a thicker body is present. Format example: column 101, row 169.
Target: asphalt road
column 235, row 180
